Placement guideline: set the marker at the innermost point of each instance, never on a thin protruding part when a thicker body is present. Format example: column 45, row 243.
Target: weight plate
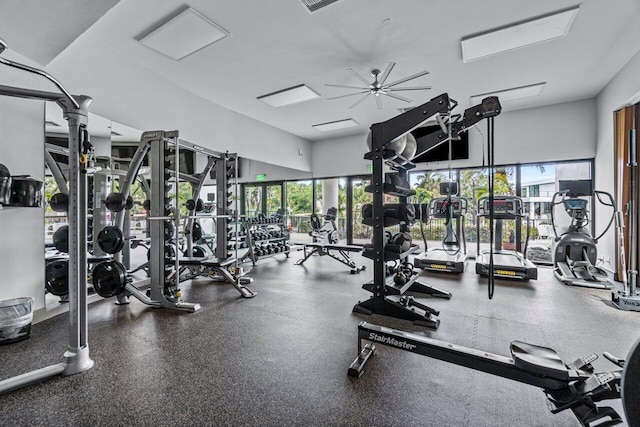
column 61, row 239
column 109, row 279
column 59, row 202
column 115, row 202
column 111, row 239
column 57, row 277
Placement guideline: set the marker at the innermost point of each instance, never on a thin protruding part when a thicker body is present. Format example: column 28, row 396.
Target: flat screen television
column 459, row 149
column 577, row 187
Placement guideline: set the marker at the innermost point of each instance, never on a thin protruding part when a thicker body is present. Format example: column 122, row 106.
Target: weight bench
column 217, row 270
column 323, row 249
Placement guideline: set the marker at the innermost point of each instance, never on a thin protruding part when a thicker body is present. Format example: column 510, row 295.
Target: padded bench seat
column 206, row 262
column 539, row 360
column 336, row 247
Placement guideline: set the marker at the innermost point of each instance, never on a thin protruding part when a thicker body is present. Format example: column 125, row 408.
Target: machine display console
column 502, row 206
column 438, row 207
column 575, row 204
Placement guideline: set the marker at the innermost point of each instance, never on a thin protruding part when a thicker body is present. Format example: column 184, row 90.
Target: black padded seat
column 93, row 259
column 205, row 262
column 190, row 260
column 215, row 262
column 335, row 246
column 539, row 360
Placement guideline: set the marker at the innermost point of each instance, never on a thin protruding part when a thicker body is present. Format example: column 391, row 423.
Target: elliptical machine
column 575, row 252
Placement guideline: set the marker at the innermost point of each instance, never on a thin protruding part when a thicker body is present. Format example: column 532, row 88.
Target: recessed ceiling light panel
column 183, row 34
column 292, row 95
column 511, row 94
column 313, row 5
column 339, row 124
column 526, row 33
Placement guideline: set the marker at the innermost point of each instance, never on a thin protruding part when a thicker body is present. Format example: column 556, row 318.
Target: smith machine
column 164, row 221
column 388, row 298
column 75, row 108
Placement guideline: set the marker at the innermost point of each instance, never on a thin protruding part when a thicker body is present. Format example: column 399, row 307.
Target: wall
column 620, row 91
column 556, row 132
column 133, row 95
column 22, row 229
column 250, row 168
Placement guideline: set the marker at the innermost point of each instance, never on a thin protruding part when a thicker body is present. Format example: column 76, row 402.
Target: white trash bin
column 16, row 316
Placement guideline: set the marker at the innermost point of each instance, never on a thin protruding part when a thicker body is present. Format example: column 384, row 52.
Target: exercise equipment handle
column 3, row 47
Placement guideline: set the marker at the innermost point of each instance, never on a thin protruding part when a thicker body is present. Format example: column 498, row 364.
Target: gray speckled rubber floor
column 281, row 358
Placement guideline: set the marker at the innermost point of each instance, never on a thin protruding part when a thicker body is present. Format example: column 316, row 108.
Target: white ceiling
column 277, row 44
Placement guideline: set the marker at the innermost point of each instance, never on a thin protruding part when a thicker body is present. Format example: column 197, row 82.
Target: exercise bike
column 575, row 252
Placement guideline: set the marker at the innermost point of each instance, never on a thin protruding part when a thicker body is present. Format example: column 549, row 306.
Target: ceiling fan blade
column 379, row 102
column 406, row 79
column 386, row 72
column 401, row 98
column 348, row 87
column 358, row 76
column 360, row 100
column 396, row 89
column 349, row 94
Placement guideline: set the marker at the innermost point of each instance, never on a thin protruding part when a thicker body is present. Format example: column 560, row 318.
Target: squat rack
column 75, row 110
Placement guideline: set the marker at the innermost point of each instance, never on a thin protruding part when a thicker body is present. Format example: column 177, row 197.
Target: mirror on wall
column 105, row 136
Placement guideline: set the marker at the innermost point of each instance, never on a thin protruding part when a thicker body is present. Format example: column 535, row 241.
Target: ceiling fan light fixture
column 511, row 94
column 292, row 95
column 514, row 36
column 338, row 124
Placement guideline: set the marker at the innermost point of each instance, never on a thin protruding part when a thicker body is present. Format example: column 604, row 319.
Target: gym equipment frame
column 507, row 264
column 76, row 110
column 326, row 241
column 451, row 257
column 382, row 134
column 572, row 386
column 575, row 252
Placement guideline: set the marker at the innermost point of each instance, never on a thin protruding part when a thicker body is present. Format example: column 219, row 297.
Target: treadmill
column 507, row 264
column 451, row 257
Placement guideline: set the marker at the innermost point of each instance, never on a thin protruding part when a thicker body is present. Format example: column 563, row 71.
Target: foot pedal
column 583, row 363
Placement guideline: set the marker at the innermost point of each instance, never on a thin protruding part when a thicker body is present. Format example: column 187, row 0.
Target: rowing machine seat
column 539, row 360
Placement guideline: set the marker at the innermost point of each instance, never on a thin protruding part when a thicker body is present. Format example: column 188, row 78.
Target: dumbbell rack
column 266, row 237
column 388, row 298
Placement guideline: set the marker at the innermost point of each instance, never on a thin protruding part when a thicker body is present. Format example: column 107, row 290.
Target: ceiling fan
column 378, row 87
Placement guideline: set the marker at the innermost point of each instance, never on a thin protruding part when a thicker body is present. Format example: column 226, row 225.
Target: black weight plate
column 61, row 239
column 190, row 204
column 129, row 203
column 115, row 202
column 631, row 386
column 59, row 202
column 111, row 239
column 57, row 277
column 146, row 205
column 199, row 205
column 109, row 279
column 196, row 231
column 168, row 229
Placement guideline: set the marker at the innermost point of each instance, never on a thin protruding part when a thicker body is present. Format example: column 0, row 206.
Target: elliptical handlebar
column 612, row 204
column 608, row 201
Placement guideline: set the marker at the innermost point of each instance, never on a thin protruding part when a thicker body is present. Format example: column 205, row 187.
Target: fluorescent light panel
column 518, row 35
column 184, row 34
column 339, row 124
column 289, row 96
column 510, row 94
